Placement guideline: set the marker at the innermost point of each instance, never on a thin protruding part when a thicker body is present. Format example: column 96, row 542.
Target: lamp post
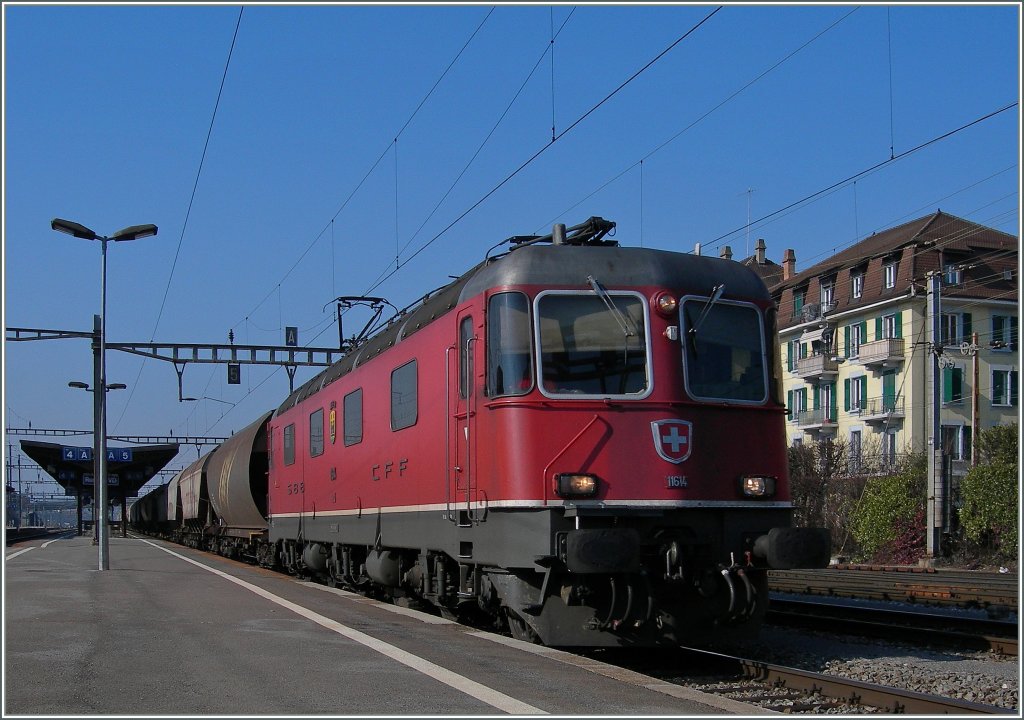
column 99, row 366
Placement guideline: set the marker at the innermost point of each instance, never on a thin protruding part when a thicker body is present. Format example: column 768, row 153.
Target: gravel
column 980, row 677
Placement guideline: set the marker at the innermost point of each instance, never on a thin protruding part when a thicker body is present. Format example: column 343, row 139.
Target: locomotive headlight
column 666, row 304
column 573, row 485
column 758, row 485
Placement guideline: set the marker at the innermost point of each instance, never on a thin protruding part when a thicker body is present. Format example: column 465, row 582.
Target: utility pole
column 935, row 495
column 975, row 416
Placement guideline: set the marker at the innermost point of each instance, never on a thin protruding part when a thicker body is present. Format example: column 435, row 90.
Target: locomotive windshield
column 584, row 349
column 723, row 349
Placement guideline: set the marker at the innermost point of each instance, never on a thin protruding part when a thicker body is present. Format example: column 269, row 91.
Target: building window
column 890, row 327
column 856, row 393
column 316, row 433
column 890, row 275
column 353, row 422
column 956, row 441
column 952, row 275
column 889, row 450
column 1004, row 388
column 403, row 396
column 289, row 444
column 853, row 337
column 799, row 297
column 855, row 451
column 857, row 283
column 1004, row 333
column 952, row 384
column 796, row 401
column 828, row 292
column 955, row 328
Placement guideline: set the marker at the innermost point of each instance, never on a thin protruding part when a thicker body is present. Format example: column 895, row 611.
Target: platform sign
column 291, row 335
column 234, row 374
column 76, row 454
column 119, row 455
column 88, row 478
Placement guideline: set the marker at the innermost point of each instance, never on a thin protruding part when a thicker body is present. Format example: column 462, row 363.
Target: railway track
column 792, row 690
column 959, row 632
column 997, row 593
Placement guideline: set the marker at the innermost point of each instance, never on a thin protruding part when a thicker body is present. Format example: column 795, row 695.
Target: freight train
column 578, row 442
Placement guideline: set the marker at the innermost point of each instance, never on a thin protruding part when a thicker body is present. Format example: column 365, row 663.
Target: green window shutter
column 789, row 403
column 863, row 331
column 817, row 398
column 833, row 412
column 958, row 384
column 846, row 341
column 967, row 442
column 864, row 393
column 967, row 328
column 1013, row 388
column 998, row 387
column 899, row 324
column 878, row 328
column 947, row 384
column 790, row 362
column 846, row 394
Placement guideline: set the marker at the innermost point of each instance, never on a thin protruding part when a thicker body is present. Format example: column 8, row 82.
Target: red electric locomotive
column 580, row 440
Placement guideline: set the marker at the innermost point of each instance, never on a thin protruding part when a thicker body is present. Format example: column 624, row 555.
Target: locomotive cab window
column 509, row 356
column 465, row 357
column 403, row 396
column 289, row 444
column 591, row 345
column 316, row 433
column 353, row 421
column 723, row 350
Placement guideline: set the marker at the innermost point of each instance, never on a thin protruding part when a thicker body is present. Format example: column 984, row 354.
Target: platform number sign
column 234, row 374
column 291, row 336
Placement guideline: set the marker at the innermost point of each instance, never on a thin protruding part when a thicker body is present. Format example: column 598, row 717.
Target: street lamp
column 98, row 503
column 133, row 232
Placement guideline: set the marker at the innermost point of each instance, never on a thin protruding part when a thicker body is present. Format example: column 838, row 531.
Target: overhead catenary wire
column 188, row 213
column 546, row 147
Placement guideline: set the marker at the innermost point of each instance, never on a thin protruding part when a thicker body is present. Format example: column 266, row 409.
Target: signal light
column 666, row 304
column 575, row 485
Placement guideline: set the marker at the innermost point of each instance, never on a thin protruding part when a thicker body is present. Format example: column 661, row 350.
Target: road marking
column 48, row 542
column 463, row 684
column 19, row 552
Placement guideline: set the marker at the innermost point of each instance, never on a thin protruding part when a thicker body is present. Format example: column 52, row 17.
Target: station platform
column 172, row 631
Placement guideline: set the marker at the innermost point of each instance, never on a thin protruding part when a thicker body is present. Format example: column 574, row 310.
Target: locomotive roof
column 556, row 265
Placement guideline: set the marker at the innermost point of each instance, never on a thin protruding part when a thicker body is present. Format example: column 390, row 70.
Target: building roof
column 769, row 272
column 938, row 231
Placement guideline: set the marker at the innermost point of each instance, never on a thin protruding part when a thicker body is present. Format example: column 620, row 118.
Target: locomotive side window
column 403, row 396
column 316, row 433
column 289, row 444
column 465, row 357
column 509, row 357
column 593, row 346
column 354, row 417
column 723, row 349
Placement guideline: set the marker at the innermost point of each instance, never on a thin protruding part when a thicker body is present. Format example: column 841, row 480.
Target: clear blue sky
column 107, row 110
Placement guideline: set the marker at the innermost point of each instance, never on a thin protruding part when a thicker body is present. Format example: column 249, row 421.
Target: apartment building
column 854, row 336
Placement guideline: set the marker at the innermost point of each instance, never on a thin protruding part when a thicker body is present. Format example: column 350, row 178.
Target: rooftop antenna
column 750, row 191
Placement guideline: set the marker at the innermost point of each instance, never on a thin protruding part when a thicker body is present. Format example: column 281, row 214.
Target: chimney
column 725, row 253
column 788, row 264
column 760, row 247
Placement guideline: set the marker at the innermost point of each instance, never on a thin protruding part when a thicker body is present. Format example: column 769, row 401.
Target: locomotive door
column 461, row 438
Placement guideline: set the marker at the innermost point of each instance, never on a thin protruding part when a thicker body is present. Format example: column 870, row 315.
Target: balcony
column 816, row 366
column 887, row 352
column 822, row 419
column 881, row 409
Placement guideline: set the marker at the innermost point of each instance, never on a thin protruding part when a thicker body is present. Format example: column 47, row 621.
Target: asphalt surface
column 169, row 630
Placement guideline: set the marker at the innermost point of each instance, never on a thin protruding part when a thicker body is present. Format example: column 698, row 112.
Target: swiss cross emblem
column 672, row 439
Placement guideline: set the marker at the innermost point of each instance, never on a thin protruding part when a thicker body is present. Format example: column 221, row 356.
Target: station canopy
column 128, row 468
